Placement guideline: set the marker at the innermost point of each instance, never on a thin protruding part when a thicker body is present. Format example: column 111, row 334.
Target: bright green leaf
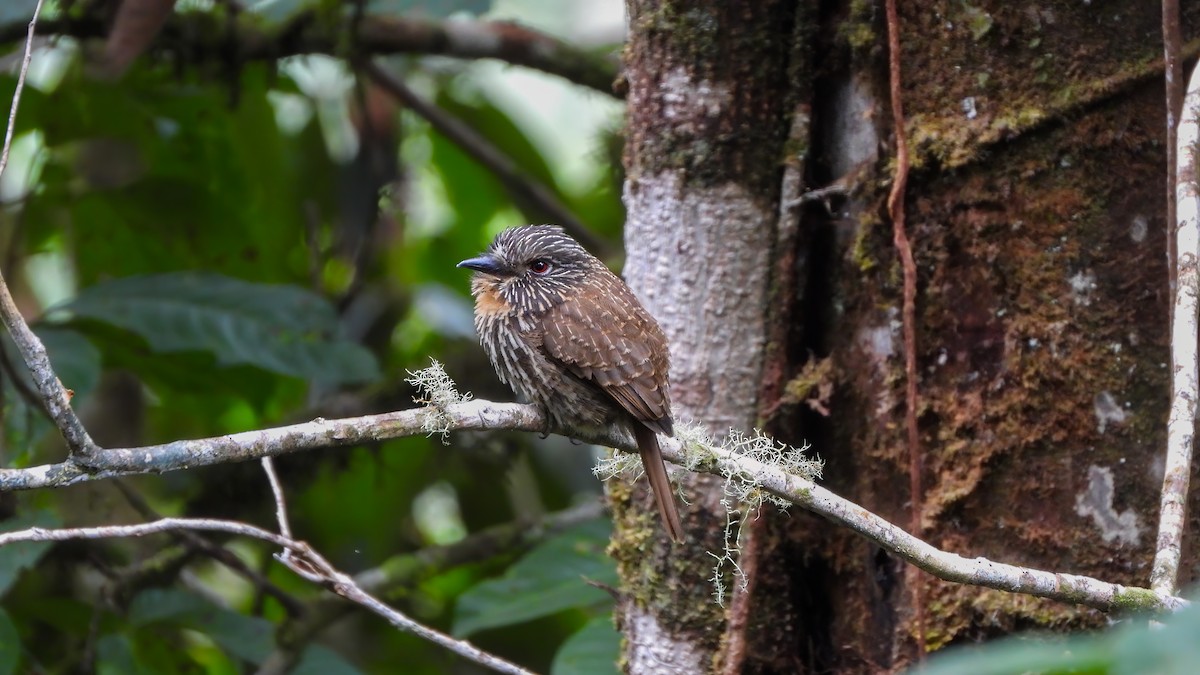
column 547, row 580
column 280, row 328
column 18, row 556
column 594, row 650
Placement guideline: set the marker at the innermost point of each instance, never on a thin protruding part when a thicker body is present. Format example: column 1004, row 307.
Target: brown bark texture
column 1036, row 214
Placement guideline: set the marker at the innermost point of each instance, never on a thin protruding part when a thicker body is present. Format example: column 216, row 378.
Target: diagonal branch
column 300, row 558
column 480, row 415
column 525, row 191
column 1181, row 423
column 55, row 397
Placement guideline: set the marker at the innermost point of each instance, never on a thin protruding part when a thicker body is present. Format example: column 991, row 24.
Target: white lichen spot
column 1107, row 411
column 968, row 108
column 1138, row 228
column 1082, row 284
column 1096, row 502
column 684, row 99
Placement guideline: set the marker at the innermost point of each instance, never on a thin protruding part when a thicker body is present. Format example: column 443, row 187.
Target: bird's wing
column 609, row 339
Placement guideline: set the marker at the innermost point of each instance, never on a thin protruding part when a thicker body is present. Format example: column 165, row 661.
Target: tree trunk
column 1036, row 211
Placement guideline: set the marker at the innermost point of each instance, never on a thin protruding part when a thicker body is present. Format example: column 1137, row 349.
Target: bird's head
column 531, row 267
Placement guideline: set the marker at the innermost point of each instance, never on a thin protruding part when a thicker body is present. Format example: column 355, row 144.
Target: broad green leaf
column 10, row 645
column 157, row 604
column 1131, row 649
column 318, row 660
column 547, row 580
column 18, row 556
column 594, row 650
column 245, row 637
column 114, row 656
column 283, row 329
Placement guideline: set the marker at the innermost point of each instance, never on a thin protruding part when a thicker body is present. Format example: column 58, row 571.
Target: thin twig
column 1173, row 70
column 215, row 551
column 400, row 573
column 525, row 191
column 303, row 560
column 280, row 501
column 54, row 396
column 1181, row 422
column 480, row 415
column 904, row 249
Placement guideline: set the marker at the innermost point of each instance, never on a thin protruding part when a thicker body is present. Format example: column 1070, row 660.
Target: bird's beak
column 484, row 263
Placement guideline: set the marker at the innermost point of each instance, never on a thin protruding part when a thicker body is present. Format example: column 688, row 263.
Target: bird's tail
column 660, row 485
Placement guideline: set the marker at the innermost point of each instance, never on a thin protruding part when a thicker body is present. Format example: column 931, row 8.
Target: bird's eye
column 539, row 267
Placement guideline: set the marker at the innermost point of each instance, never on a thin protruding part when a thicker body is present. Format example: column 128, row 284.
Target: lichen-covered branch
column 780, row 480
column 1181, row 423
column 54, row 396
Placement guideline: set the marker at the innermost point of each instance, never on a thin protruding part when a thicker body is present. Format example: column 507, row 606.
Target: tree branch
column 300, row 558
column 195, row 34
column 1181, row 423
column 55, row 397
column 409, row 569
column 481, row 415
column 525, row 191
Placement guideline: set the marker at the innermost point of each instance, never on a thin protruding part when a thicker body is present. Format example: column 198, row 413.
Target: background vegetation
column 209, row 249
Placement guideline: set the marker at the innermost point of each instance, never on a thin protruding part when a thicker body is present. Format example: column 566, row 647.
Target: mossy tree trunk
column 1036, row 211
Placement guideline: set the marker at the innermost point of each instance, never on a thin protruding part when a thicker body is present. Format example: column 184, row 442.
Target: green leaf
column 18, row 556
column 318, row 660
column 114, row 656
column 1131, row 649
column 280, row 328
column 245, row 637
column 594, row 650
column 10, row 645
column 547, row 580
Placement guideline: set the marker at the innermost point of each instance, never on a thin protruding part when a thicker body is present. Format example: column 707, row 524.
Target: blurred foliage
column 1137, row 646
column 207, row 249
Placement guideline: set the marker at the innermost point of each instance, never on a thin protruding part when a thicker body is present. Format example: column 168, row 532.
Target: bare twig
column 525, row 190
column 479, row 414
column 280, row 502
column 403, row 572
column 213, row 550
column 54, row 396
column 303, row 560
column 904, row 249
column 1181, row 423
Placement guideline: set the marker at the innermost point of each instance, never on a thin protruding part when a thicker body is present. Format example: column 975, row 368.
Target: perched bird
column 568, row 335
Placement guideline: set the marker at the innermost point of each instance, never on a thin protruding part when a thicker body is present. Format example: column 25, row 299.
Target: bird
column 568, row 335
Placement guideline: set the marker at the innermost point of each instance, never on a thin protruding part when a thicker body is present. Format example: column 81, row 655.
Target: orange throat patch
column 488, row 301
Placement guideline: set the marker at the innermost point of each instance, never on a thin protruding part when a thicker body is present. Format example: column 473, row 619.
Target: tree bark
column 703, row 161
column 1037, row 143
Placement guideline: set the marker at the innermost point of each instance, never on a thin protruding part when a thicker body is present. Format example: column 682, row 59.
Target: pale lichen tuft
column 436, row 391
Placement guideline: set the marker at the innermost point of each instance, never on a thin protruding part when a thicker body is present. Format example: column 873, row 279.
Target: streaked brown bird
column 568, row 335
